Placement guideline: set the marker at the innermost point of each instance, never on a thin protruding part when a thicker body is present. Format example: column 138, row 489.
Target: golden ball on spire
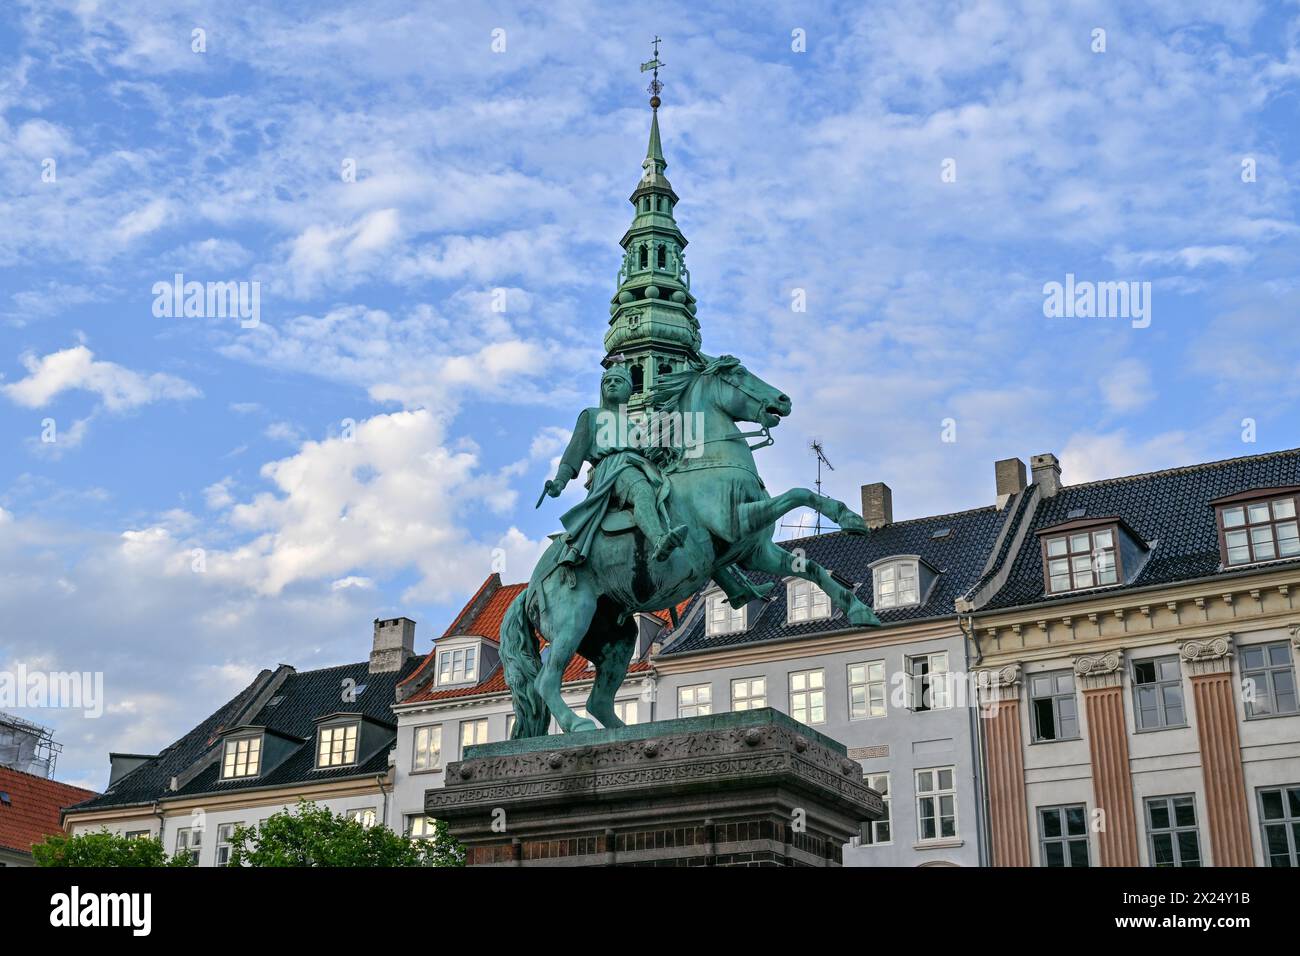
column 654, row 102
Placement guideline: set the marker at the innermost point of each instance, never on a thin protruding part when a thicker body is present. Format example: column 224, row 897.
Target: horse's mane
column 667, row 392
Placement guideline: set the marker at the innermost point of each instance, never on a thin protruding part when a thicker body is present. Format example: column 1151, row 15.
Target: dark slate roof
column 304, row 697
column 959, row 557
column 1168, row 509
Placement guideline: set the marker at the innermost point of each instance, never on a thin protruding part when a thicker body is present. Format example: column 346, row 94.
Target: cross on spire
column 653, row 64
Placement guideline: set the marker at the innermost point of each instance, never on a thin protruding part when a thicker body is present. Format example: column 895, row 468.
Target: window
column 458, row 666
column 1259, row 531
column 661, row 257
column 138, row 834
column 805, row 601
column 723, row 618
column 627, row 711
column 936, row 804
column 225, row 834
column 877, row 832
column 866, row 690
column 749, row 693
column 1082, row 559
column 930, row 686
column 1171, row 831
column 365, row 816
column 695, row 701
column 896, row 584
column 338, row 746
column 510, row 726
column 242, row 758
column 1063, row 835
column 1158, row 693
column 189, row 840
column 1268, row 680
column 1279, row 815
column 473, row 732
column 808, row 696
column 428, row 748
column 420, row 827
column 1053, row 708
column 645, row 253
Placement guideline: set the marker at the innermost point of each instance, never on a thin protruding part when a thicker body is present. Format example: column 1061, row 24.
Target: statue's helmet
column 617, row 371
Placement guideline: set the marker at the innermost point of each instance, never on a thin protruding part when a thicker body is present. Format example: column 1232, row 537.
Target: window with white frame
column 1063, row 835
column 473, row 732
column 627, row 711
column 242, row 757
column 749, row 693
column 808, row 696
column 420, row 827
column 338, row 746
column 1172, row 836
column 458, row 665
column 225, row 835
column 138, row 834
column 929, row 683
column 805, row 601
column 1259, row 531
column 363, row 815
column 896, row 584
column 427, row 754
column 1279, row 819
column 866, row 690
column 1268, row 679
column 878, row 832
column 189, row 841
column 695, row 700
column 936, row 803
column 722, row 618
column 1081, row 559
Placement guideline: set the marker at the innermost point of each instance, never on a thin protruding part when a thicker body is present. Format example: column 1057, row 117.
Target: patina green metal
column 663, row 516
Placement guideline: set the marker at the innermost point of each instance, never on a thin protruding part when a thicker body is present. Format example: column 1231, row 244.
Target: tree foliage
column 311, row 835
column 101, row 848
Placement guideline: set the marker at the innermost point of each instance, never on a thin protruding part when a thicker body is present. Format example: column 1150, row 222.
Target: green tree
column 310, row 835
column 102, row 848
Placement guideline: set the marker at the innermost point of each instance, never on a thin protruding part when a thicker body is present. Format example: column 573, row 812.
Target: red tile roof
column 487, row 623
column 31, row 812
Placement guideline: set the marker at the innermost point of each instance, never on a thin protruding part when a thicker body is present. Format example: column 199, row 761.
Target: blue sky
column 480, row 170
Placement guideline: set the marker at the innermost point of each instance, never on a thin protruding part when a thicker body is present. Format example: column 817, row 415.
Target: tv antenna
column 820, row 452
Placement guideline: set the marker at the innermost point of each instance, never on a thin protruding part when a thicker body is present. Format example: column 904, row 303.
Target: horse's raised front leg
column 768, row 557
column 756, row 515
column 567, row 618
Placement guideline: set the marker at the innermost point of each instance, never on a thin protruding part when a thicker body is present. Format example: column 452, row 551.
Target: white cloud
column 1126, row 385
column 119, row 388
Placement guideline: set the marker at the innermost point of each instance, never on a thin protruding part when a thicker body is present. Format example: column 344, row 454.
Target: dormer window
column 896, row 583
column 337, row 745
column 242, row 757
column 1085, row 559
column 805, row 601
column 1264, row 529
column 722, row 618
column 458, row 665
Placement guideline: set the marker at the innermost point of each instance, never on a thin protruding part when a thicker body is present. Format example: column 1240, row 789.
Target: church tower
column 652, row 325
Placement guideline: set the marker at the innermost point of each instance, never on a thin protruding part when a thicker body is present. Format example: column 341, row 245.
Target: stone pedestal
column 753, row 788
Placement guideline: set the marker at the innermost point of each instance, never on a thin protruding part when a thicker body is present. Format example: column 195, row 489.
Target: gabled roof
column 482, row 616
column 292, row 712
column 959, row 557
column 1172, row 511
column 29, row 811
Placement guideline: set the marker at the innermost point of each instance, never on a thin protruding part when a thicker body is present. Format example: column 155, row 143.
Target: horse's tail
column 523, row 661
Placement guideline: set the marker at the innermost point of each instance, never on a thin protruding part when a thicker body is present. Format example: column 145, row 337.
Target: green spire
column 652, row 323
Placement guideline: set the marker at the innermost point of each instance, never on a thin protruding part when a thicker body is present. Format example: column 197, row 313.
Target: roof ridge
column 48, row 780
column 892, row 524
column 1199, row 466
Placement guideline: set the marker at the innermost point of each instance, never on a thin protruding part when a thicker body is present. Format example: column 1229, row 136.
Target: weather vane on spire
column 654, row 64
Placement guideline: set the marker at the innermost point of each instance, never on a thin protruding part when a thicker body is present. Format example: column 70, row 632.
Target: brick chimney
column 1047, row 474
column 394, row 643
column 877, row 505
column 1010, row 476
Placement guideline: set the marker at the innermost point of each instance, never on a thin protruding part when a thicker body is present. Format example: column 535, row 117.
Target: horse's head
column 745, row 396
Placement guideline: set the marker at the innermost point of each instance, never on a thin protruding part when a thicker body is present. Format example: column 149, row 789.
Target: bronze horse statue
column 586, row 608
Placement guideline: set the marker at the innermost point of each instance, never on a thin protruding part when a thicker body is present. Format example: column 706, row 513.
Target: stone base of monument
column 752, row 788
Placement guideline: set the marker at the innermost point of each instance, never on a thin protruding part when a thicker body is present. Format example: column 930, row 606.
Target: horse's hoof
column 863, row 616
column 582, row 724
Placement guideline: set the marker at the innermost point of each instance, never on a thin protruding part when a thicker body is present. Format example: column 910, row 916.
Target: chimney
column 394, row 643
column 877, row 505
column 1047, row 473
column 1010, row 476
